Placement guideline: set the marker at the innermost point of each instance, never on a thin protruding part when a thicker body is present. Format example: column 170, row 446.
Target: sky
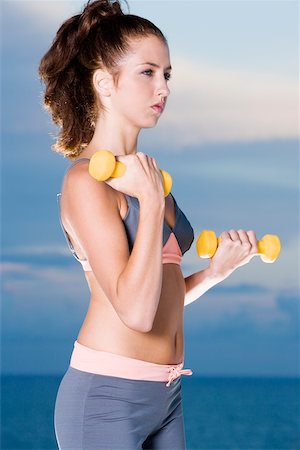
column 230, row 139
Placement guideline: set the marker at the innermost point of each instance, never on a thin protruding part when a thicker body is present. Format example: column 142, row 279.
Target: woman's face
column 143, row 81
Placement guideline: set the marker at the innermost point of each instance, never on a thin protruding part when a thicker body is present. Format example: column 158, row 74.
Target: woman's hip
column 93, row 408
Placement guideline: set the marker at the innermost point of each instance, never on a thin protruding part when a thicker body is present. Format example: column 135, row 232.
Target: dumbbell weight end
column 103, row 165
column 167, row 182
column 269, row 248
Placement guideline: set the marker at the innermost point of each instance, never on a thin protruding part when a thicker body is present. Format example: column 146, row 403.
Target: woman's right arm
column 132, row 282
column 139, row 284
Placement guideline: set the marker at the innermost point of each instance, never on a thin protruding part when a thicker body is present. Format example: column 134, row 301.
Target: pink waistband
column 105, row 363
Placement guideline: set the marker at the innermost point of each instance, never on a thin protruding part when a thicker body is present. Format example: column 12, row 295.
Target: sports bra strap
column 75, row 162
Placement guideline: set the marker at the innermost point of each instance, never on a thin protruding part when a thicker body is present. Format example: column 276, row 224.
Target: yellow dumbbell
column 268, row 247
column 103, row 165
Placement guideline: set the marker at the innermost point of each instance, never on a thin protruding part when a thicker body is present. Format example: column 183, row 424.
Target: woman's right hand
column 237, row 247
column 142, row 178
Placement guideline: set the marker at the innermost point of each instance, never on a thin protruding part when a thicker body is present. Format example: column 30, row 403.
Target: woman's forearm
column 139, row 285
column 200, row 282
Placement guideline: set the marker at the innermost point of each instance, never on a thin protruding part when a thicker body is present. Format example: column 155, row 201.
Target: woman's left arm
column 236, row 248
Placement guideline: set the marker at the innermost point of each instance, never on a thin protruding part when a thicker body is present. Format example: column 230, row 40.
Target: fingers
column 253, row 240
column 148, row 160
column 234, row 235
column 245, row 238
column 155, row 163
column 142, row 157
column 236, row 248
column 225, row 236
column 239, row 235
column 145, row 159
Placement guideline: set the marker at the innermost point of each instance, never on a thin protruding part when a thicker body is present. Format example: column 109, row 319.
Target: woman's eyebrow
column 154, row 65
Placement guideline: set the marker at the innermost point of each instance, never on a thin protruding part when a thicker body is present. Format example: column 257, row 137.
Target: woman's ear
column 103, row 82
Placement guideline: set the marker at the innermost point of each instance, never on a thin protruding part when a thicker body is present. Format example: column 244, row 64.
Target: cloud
column 54, row 288
column 12, row 267
column 209, row 102
column 245, row 167
column 47, row 15
column 243, row 311
column 41, row 305
column 31, row 250
column 22, row 279
column 220, row 104
column 42, row 301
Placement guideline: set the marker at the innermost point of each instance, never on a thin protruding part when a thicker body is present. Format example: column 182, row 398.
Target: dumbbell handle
column 268, row 247
column 103, row 165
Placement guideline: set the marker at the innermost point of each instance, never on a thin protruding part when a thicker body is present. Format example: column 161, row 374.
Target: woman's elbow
column 136, row 320
column 140, row 325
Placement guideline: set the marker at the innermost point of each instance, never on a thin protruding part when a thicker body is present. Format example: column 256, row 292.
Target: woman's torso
column 103, row 330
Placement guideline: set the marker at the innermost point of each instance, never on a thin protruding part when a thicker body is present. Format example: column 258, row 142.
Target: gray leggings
column 101, row 412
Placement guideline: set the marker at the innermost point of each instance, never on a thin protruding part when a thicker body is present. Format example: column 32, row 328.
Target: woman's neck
column 119, row 138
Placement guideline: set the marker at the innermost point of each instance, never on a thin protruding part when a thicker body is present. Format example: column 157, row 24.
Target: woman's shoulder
column 78, row 183
column 77, row 166
column 77, row 177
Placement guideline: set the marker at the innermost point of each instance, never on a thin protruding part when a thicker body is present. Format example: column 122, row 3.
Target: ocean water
column 219, row 413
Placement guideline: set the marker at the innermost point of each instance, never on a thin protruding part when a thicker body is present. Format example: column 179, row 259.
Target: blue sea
column 220, row 413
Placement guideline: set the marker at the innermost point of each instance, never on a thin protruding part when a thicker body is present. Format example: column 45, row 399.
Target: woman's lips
column 158, row 108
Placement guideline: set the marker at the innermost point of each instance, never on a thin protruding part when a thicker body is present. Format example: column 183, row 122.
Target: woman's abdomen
column 103, row 330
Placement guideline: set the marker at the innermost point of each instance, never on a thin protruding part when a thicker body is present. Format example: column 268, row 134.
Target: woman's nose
column 164, row 90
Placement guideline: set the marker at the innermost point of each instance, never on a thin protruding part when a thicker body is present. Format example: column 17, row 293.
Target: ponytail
column 97, row 38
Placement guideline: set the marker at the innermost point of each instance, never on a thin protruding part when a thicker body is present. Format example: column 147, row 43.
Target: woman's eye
column 149, row 72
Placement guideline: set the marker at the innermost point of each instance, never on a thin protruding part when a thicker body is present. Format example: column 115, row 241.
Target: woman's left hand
column 236, row 248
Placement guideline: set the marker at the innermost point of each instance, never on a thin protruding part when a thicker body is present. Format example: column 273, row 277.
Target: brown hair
column 97, row 38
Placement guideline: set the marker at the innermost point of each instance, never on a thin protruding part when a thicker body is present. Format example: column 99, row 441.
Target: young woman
column 106, row 76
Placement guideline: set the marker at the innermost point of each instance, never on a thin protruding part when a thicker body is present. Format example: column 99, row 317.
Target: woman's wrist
column 157, row 203
column 215, row 274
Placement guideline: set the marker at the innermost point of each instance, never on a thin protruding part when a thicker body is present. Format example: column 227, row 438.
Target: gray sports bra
column 176, row 240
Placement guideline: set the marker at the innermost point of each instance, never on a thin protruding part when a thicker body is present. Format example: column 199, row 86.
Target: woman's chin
column 151, row 123
column 150, row 126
